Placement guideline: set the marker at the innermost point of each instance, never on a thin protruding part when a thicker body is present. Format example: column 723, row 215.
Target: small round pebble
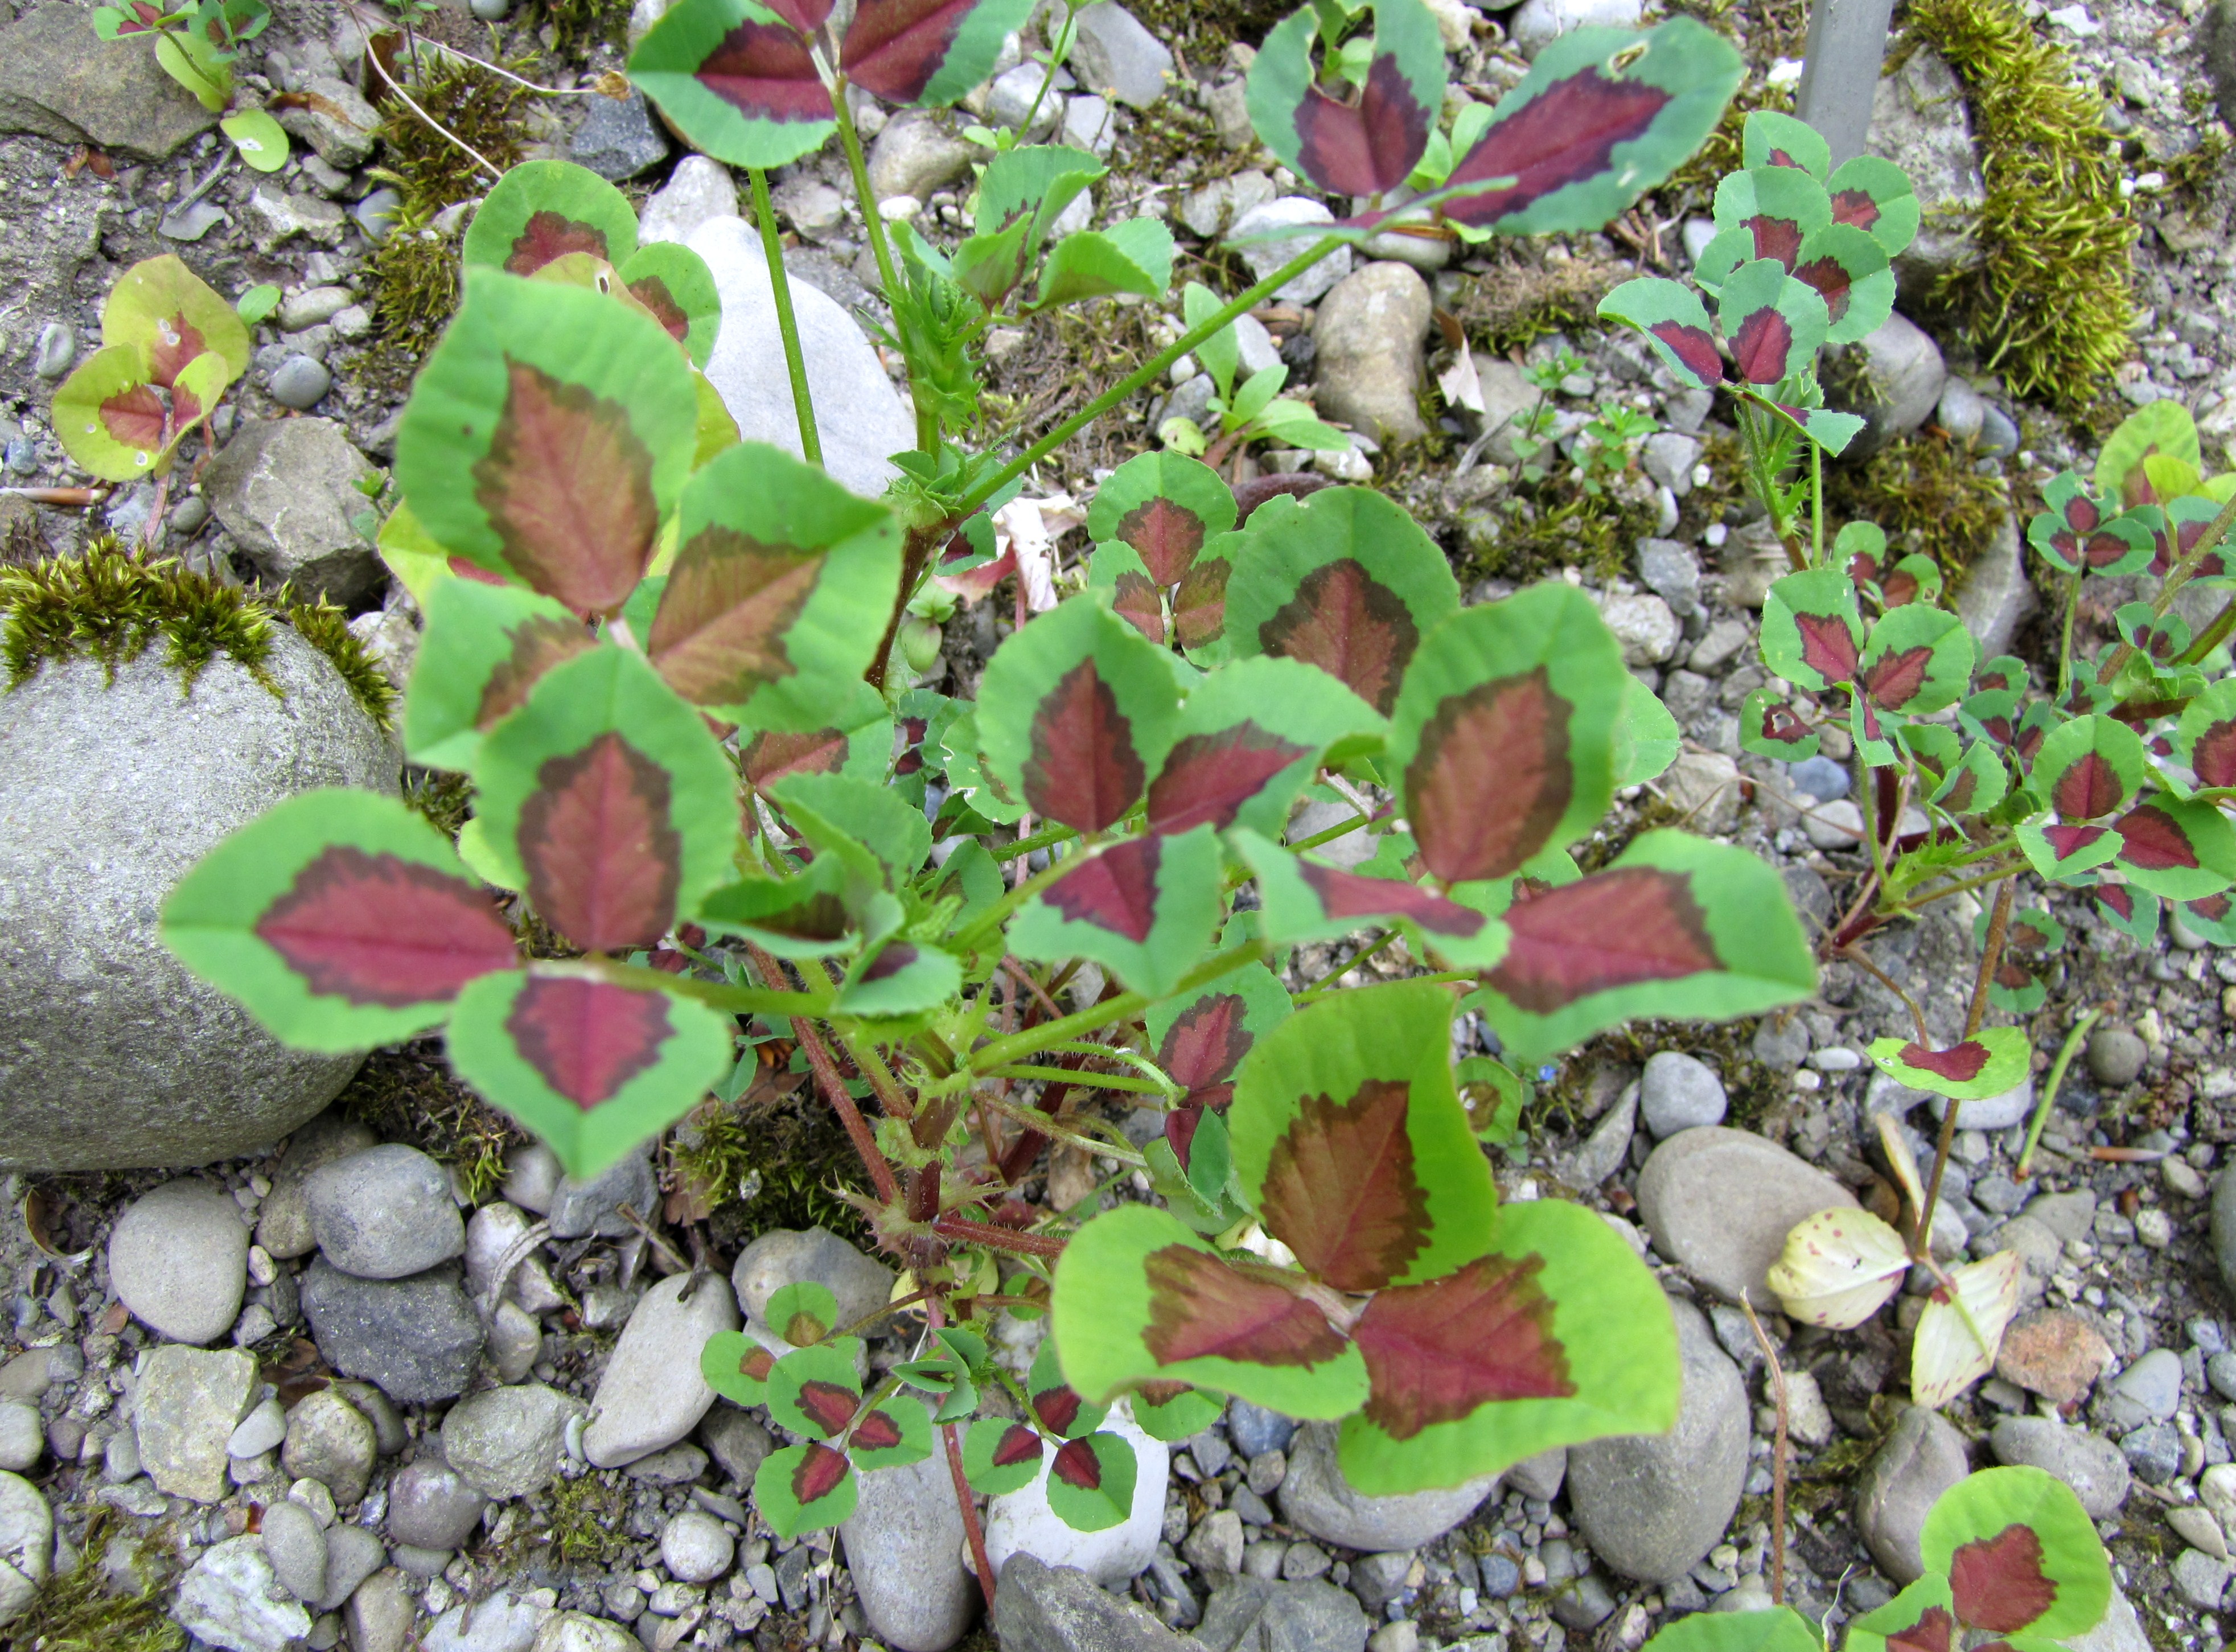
column 56, row 348
column 2115, row 1056
column 1679, row 1093
column 300, row 382
column 178, row 1259
column 385, row 1214
column 376, row 214
column 23, row 1436
column 696, row 1547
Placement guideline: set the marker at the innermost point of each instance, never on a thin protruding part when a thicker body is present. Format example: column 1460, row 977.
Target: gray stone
column 417, row 1337
column 651, row 1394
column 1607, row 1149
column 1921, row 1458
column 2116, row 1057
column 1508, row 398
column 59, row 79
column 376, row 214
column 300, row 382
column 1039, row 1608
column 532, row 1176
column 1256, row 1615
column 1315, row 1497
column 261, row 1430
column 1651, row 1505
column 1215, row 1545
column 1996, row 595
column 2071, row 1216
column 231, row 1598
column 1667, row 456
column 1017, row 90
column 696, row 1549
column 1264, row 257
column 1538, row 23
column 785, row 1256
column 1890, row 378
column 859, row 415
column 1642, row 622
column 1542, row 1476
column 1368, row 333
column 903, row 1545
column 2153, row 1385
column 700, row 190
column 503, row 1622
column 331, row 1441
column 26, row 1545
column 1089, row 124
column 340, row 127
column 1678, row 1092
column 276, row 215
column 2089, row 1463
column 914, row 154
column 379, row 1614
column 184, row 1405
column 580, row 1632
column 595, row 1207
column 495, row 1229
column 385, row 1213
column 311, row 305
column 1997, row 1112
column 353, row 1554
column 2224, row 1229
column 1114, row 55
column 1962, row 410
column 179, row 1257
column 431, row 1507
column 283, row 1221
column 57, row 348
column 112, row 1053
column 389, row 1434
column 289, row 490
column 2153, row 1451
column 296, row 1548
column 1585, row 1605
column 1669, row 567
column 1719, row 1202
column 736, row 1441
column 507, row 1442
column 1918, row 121
column 1255, row 1430
column 2200, row 1579
column 23, row 1436
column 619, row 138
column 515, row 1342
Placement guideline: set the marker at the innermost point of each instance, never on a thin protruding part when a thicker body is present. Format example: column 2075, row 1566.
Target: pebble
column 296, row 1547
column 23, row 1436
column 261, row 1430
column 378, row 1616
column 2115, row 1056
column 652, row 1394
column 376, row 214
column 1991, row 1112
column 1669, row 567
column 515, row 1342
column 491, row 1235
column 792, row 1256
column 186, row 1403
column 1041, row 1608
column 2224, row 1229
column 1719, row 1202
column 1607, row 1149
column 1253, row 1430
column 27, row 1544
column 2152, row 1384
column 331, row 1441
column 231, row 1597
column 580, row 1632
column 2196, row 1527
column 2200, row 1579
column 311, row 305
column 57, row 349
column 1215, row 1545
column 503, row 1622
column 300, row 382
column 431, row 1507
column 1677, row 1093
column 1021, row 1522
column 417, row 1337
column 385, row 1214
column 695, row 1549
column 283, row 1220
column 1267, row 1615
column 700, row 190
column 1539, row 23
column 736, row 1441
column 353, row 1554
column 2052, row 1352
column 2089, row 1463
column 2220, row 1371
column 1922, row 1458
column 2154, row 1451
column 1315, row 1497
column 1264, row 257
column 178, row 1259
column 618, row 138
column 507, row 1442
column 1113, row 54
column 1368, row 333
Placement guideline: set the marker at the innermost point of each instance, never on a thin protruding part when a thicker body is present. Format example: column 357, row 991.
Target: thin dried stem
column 1776, row 1456
column 832, row 1086
column 1854, row 953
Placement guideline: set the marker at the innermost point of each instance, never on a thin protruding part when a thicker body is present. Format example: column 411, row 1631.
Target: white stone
column 233, row 1599
column 1643, row 623
column 695, row 1549
column 1021, row 1522
column 652, row 1394
column 1540, row 23
column 1264, row 257
column 179, row 1259
column 698, row 191
column 27, row 1544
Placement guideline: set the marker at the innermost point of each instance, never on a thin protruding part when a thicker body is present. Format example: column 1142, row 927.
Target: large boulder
column 112, row 1054
column 60, row 80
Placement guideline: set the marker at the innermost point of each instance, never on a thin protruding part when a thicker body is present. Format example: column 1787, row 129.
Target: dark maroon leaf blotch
column 378, row 929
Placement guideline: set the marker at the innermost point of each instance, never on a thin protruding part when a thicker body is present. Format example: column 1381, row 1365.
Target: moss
column 765, row 1163
column 2051, row 303
column 112, row 606
column 1520, row 300
column 78, row 1611
column 579, row 26
column 586, row 1516
column 442, row 798
column 1533, row 532
column 325, row 628
column 415, row 276
column 406, row 1094
column 1925, row 491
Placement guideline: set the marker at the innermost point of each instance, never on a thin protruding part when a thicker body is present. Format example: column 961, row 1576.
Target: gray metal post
column 1847, row 44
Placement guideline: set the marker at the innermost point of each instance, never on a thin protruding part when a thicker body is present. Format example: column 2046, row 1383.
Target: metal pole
column 1840, row 70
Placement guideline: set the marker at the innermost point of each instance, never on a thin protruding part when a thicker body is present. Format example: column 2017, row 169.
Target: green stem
column 1087, row 1081
column 1047, row 837
column 995, row 915
column 719, row 995
column 2177, row 576
column 873, row 222
column 2065, row 649
column 1057, row 53
column 1002, row 1052
column 1441, row 977
column 2049, row 1089
column 803, row 408
column 2211, row 636
column 1148, row 372
column 1342, row 830
column 1817, row 505
column 1981, row 882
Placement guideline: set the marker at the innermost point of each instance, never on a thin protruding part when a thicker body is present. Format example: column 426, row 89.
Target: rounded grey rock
column 376, row 214
column 27, row 1544
column 178, row 1258
column 57, row 349
column 507, row 1442
column 114, row 790
column 1315, row 1497
column 490, row 10
column 793, row 1256
column 385, row 1214
column 2116, row 1057
column 503, row 1622
column 1921, row 1458
column 696, row 1549
column 1719, row 1203
column 1677, row 1092
column 1368, row 331
column 652, row 1394
column 289, row 490
column 700, row 190
column 283, row 1221
column 905, row 1548
column 300, row 382
column 332, row 1441
column 2091, row 1465
column 1264, row 257
column 431, row 1507
column 353, row 1554
column 594, row 1207
column 297, row 1549
column 417, row 1337
column 23, row 1436
column 184, row 1408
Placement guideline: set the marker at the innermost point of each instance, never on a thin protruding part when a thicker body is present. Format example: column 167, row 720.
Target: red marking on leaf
column 568, row 487
column 764, row 71
column 895, row 47
column 1350, row 625
column 756, row 1363
column 1202, row 1048
column 651, row 293
column 2155, row 840
column 1435, row 1352
column 1366, row 148
column 1202, row 1308
column 1346, row 894
column 1199, row 603
column 2118, row 897
column 2212, row 756
column 538, row 644
column 378, row 929
column 1935, row 1631
column 1077, row 1466
column 2089, row 788
column 1296, row 484
column 1959, row 1063
column 817, row 1475
column 1057, row 1408
column 1180, row 1126
column 1138, row 602
column 1900, row 590
column 136, row 417
column 1855, row 207
column 1116, row 890
column 1828, row 645
column 1166, row 535
column 604, row 859
column 1780, row 158
column 830, row 1405
column 1833, row 284
column 2066, row 841
column 1613, row 928
column 1566, row 133
column 2103, row 549
column 586, row 1039
column 1998, row 1584
column 1694, row 347
column 1491, row 777
column 1084, row 771
column 1017, row 1445
column 730, row 601
column 178, row 341
column 1778, row 238
column 1782, row 723
column 1340, row 1191
column 547, row 236
column 1762, row 346
column 876, row 1431
column 2081, row 514
column 1895, row 678
column 891, row 961
column 2014, row 975
column 1962, row 790
column 1210, row 777
column 475, row 572
column 769, row 757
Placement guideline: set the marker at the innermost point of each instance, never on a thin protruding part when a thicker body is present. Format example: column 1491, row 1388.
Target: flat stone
column 737, row 1443
column 378, row 1616
column 1719, row 1202
column 1652, row 1505
column 491, row 1233
column 340, row 127
column 299, row 382
column 59, row 79
column 283, row 1220
column 915, row 154
column 287, row 490
column 1680, row 1092
column 503, row 1622
column 1607, row 1149
column 26, row 1545
column 385, row 1213
column 1897, row 373
column 1368, row 332
column 2152, row 1384
column 1997, row 1112
column 178, row 1258
column 1996, row 595
column 184, row 1405
column 903, row 1545
column 2070, row 1216
column 1255, row 1614
column 859, row 416
column 652, row 1394
column 1643, row 623
column 1039, row 1608
column 580, row 1632
column 417, row 1337
column 507, row 1442
column 1669, row 567
column 1315, row 1497
column 353, row 1554
column 700, row 190
column 1114, row 55
column 430, row 1506
column 23, row 1436
column 784, row 1256
column 1920, row 1459
column 2200, row 1579
column 1021, row 1522
column 2054, row 1353
column 579, row 1208
column 2091, row 1465
column 231, row 1598
column 1264, row 257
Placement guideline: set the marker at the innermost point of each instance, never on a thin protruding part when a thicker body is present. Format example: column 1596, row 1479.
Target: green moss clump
column 325, row 628
column 1535, row 532
column 1925, row 491
column 78, row 1611
column 2051, row 303
column 586, row 1520
column 578, row 26
column 408, row 1095
column 771, row 1163
column 111, row 605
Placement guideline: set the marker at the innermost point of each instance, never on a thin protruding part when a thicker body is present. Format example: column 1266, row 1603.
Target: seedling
column 196, row 45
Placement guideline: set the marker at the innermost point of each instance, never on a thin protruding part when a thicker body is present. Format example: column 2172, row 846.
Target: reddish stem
column 971, row 1529
column 832, row 1086
column 963, row 1229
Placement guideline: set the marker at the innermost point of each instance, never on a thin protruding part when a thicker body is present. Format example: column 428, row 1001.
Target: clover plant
column 196, row 45
column 663, row 658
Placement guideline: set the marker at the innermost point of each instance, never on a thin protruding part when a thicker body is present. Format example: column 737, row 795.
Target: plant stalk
column 795, row 364
column 833, row 1087
column 1776, row 1456
column 2211, row 636
column 2177, row 576
column 962, row 1230
column 972, row 1530
column 1004, row 1051
column 2049, row 1090
column 1991, row 959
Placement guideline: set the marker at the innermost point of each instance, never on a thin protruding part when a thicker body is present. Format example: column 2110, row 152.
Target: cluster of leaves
column 170, row 348
column 2009, row 1553
column 196, row 45
column 1254, row 411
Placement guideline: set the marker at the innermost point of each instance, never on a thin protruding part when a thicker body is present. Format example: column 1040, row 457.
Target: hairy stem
column 716, row 994
column 795, row 364
column 962, row 1230
column 972, row 1531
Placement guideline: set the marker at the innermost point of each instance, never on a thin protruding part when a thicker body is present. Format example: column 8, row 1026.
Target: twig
column 1855, row 955
column 2049, row 1090
column 1776, row 1456
column 434, row 125
column 627, row 1213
